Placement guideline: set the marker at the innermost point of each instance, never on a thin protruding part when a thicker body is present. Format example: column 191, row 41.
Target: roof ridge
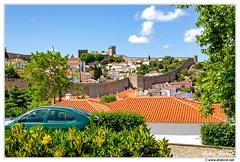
column 190, row 105
column 91, row 102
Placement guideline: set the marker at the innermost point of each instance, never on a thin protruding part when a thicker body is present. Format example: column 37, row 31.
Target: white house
column 160, row 85
column 168, row 91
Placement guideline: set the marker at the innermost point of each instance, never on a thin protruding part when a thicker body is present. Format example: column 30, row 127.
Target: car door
column 33, row 118
column 60, row 119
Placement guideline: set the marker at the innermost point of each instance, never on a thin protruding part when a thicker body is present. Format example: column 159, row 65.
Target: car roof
column 65, row 107
column 60, row 107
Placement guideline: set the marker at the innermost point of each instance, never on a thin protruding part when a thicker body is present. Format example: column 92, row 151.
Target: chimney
column 68, row 96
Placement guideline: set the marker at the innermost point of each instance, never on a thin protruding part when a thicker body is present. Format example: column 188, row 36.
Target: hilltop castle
column 111, row 52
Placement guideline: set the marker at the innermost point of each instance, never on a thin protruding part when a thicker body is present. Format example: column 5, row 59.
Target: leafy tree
column 175, row 61
column 97, row 72
column 87, row 57
column 98, row 57
column 16, row 101
column 143, row 69
column 6, row 93
column 49, row 74
column 11, row 71
column 184, row 72
column 217, row 83
column 155, row 65
column 172, row 66
column 119, row 59
column 198, row 66
column 179, row 77
column 167, row 59
column 149, row 57
column 111, row 59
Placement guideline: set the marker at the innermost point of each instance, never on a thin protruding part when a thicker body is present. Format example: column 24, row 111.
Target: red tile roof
column 154, row 109
column 85, row 104
column 130, row 93
column 166, row 109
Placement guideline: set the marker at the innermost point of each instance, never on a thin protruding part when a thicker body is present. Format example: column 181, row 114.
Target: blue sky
column 136, row 30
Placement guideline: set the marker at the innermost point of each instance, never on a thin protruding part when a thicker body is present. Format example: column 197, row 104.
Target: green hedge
column 120, row 120
column 92, row 142
column 222, row 134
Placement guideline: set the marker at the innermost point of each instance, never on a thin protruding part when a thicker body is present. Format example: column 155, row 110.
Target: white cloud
column 166, row 46
column 190, row 35
column 145, row 34
column 136, row 16
column 135, row 39
column 147, row 29
column 34, row 18
column 156, row 15
column 151, row 15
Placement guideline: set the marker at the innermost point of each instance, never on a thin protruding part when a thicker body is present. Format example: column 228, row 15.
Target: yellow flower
column 46, row 139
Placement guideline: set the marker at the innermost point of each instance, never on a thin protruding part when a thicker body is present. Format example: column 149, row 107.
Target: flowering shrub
column 92, row 142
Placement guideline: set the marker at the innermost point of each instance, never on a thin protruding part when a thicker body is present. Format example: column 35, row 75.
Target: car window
column 82, row 112
column 60, row 116
column 35, row 116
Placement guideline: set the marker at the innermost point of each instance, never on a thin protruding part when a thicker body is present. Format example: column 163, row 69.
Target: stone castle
column 100, row 89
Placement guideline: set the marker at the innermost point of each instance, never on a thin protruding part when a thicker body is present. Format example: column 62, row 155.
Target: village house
column 86, row 76
column 185, row 84
column 168, row 91
column 160, row 85
column 16, row 62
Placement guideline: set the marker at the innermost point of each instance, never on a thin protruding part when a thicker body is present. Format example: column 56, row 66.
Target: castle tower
column 112, row 50
column 195, row 58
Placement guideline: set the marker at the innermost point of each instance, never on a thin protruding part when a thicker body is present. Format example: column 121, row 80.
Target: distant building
column 185, row 84
column 168, row 91
column 80, row 52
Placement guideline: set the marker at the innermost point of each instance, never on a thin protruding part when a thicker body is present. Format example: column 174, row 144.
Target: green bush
column 92, row 142
column 108, row 98
column 119, row 121
column 218, row 134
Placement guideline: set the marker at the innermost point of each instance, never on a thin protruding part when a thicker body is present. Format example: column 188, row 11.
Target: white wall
column 175, row 128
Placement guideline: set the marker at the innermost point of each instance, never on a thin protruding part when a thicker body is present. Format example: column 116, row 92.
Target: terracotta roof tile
column 85, row 104
column 154, row 109
column 165, row 109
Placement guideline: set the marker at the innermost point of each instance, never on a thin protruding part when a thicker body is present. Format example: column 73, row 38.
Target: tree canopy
column 87, row 57
column 217, row 40
column 50, row 76
column 11, row 71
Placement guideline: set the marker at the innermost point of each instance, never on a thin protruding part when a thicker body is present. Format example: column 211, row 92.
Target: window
column 60, row 116
column 35, row 116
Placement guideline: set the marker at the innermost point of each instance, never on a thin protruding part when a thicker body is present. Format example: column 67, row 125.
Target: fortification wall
column 167, row 77
column 101, row 89
column 9, row 82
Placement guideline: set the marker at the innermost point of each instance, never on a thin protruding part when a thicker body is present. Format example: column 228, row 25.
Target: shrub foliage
column 108, row 98
column 92, row 142
column 119, row 121
column 218, row 134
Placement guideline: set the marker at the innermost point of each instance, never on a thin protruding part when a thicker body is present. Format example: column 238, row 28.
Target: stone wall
column 100, row 89
column 9, row 82
column 145, row 82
